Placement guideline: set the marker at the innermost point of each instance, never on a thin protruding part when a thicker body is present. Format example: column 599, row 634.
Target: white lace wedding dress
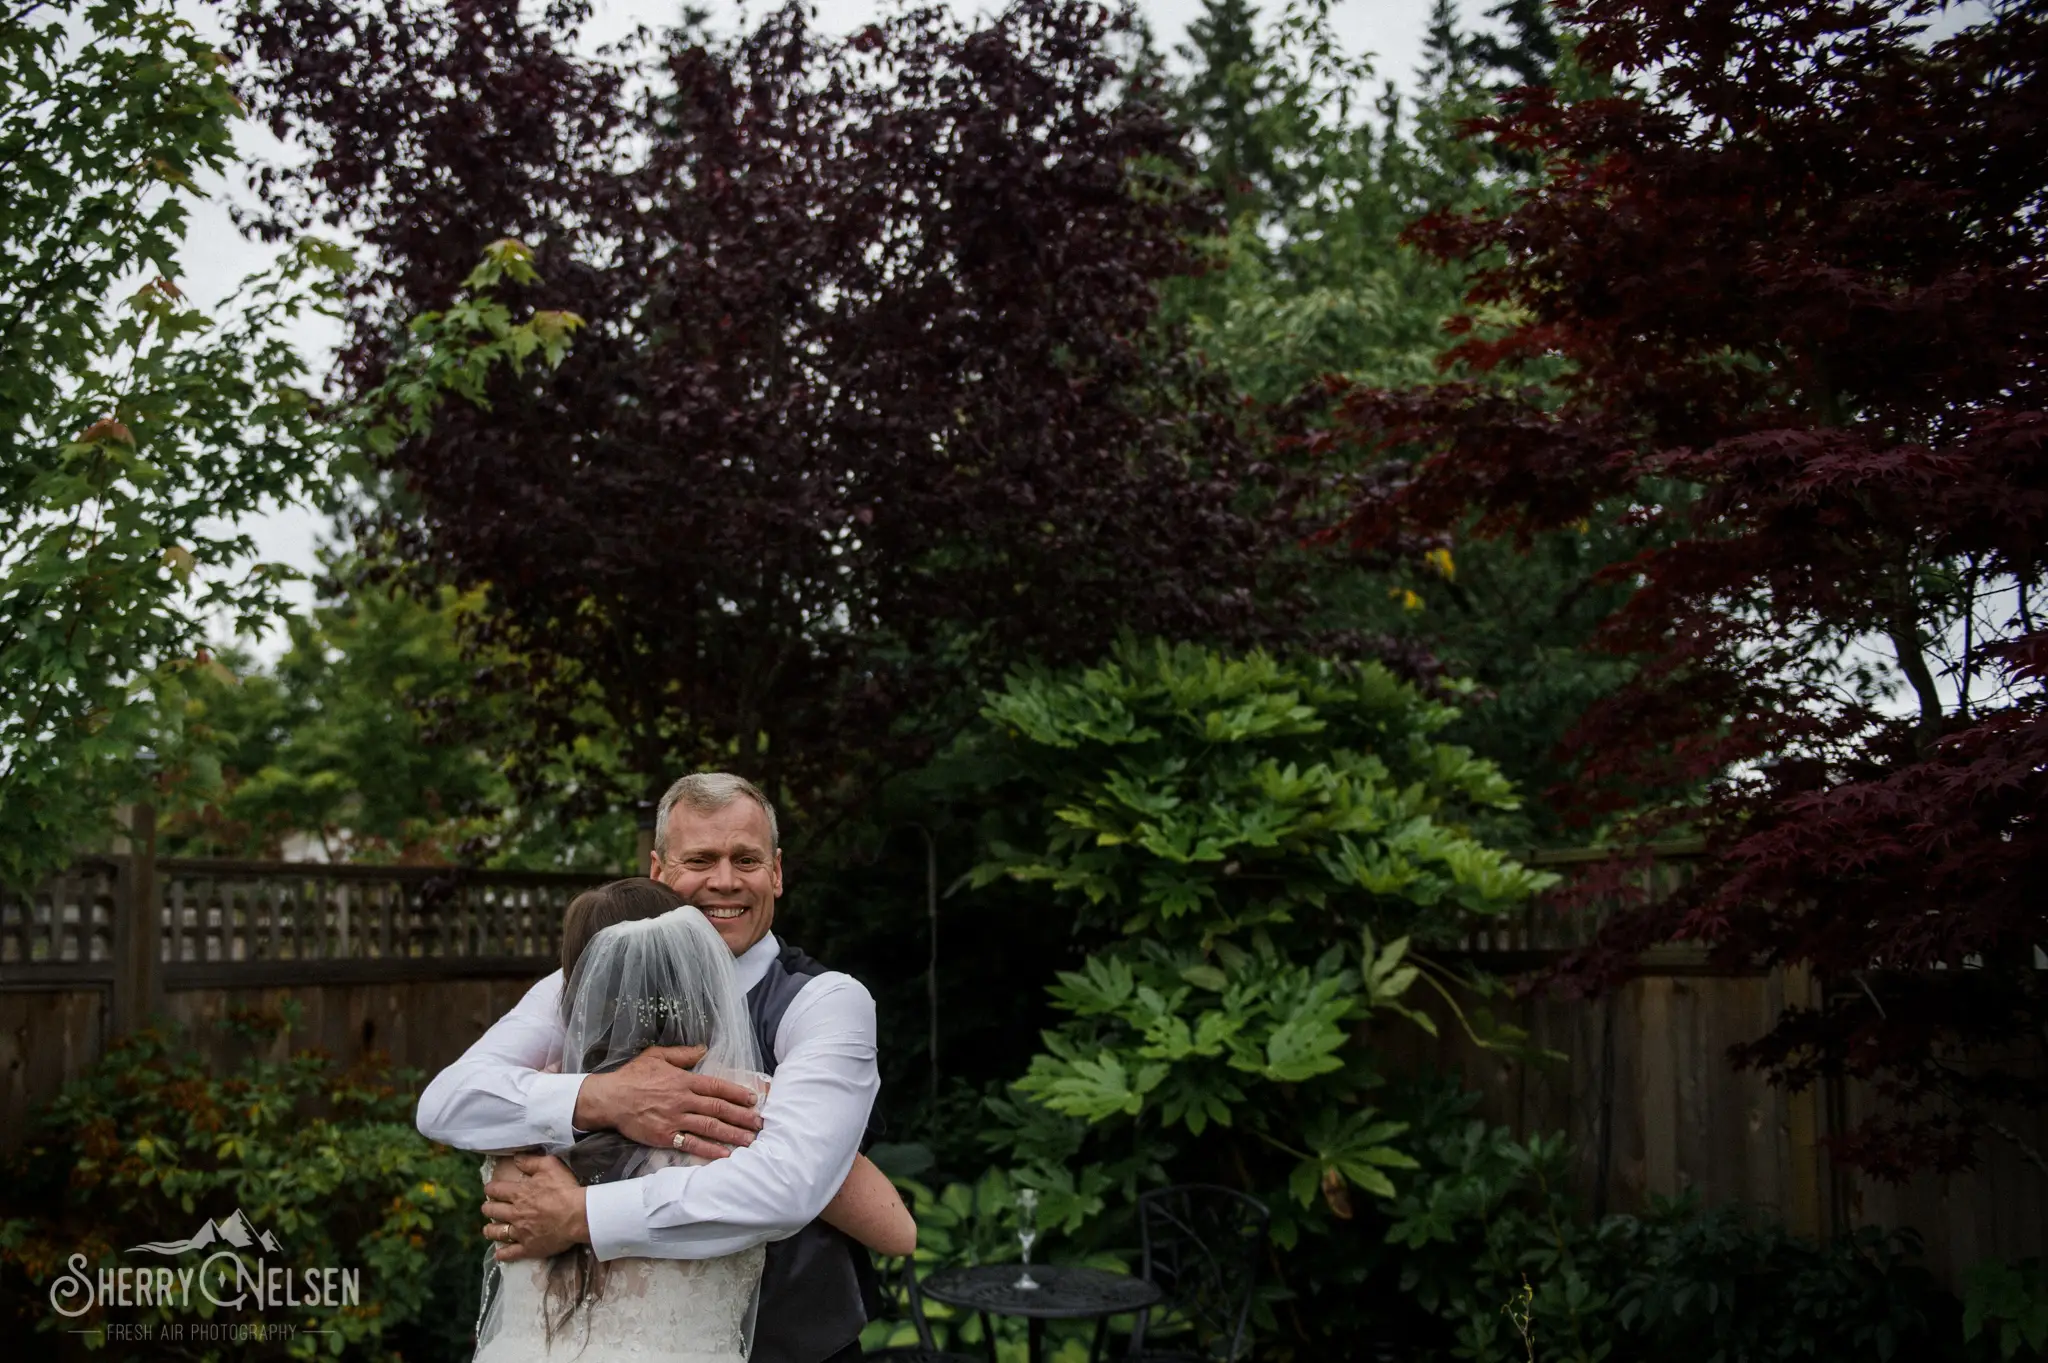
column 652, row 1310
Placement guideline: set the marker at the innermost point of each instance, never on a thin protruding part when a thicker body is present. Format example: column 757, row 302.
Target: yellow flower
column 1440, row 560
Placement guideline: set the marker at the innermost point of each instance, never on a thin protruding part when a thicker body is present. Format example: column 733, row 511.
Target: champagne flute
column 1027, row 1232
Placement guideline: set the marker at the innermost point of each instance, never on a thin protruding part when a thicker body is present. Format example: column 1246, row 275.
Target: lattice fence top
column 67, row 920
column 259, row 922
column 230, row 914
column 1553, row 924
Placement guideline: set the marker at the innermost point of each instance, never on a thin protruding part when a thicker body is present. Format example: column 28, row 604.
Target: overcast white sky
column 217, row 257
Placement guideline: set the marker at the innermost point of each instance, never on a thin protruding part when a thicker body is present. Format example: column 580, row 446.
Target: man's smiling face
column 722, row 864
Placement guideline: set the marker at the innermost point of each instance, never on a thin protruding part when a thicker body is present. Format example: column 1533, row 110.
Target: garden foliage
column 159, row 1136
column 1482, row 1242
column 361, row 739
column 1310, row 282
column 1793, row 266
column 1259, row 856
column 1258, row 851
column 1487, row 1220
column 139, row 431
column 2007, row 1302
column 367, row 736
column 864, row 413
column 326, row 745
column 135, row 426
column 1318, row 175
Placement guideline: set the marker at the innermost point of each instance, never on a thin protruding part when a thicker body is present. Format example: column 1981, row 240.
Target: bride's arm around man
column 716, row 846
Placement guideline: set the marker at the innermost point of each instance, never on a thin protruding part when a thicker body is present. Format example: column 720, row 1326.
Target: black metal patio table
column 1062, row 1294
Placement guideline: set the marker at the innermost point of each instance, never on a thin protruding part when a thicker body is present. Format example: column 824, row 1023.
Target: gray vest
column 816, row 1285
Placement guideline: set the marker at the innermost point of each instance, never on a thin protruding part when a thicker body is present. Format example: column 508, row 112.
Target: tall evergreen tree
column 1446, row 52
column 1316, row 282
column 1222, row 101
column 1526, row 54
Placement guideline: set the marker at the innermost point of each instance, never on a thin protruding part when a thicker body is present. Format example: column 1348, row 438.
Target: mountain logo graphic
column 236, row 1231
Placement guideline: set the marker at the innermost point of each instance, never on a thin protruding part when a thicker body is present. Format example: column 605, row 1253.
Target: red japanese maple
column 1792, row 274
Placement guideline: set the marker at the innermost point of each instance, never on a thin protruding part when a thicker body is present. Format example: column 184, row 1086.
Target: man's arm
column 496, row 1097
column 825, row 1085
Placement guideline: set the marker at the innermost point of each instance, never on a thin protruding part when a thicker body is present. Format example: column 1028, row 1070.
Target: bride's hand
column 656, row 1099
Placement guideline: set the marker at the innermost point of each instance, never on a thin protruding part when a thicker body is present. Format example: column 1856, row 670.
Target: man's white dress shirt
column 498, row 1097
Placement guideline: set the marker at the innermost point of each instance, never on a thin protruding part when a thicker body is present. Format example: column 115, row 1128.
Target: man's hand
column 654, row 1098
column 536, row 1216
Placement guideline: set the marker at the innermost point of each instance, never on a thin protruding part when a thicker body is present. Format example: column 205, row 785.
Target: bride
column 645, row 969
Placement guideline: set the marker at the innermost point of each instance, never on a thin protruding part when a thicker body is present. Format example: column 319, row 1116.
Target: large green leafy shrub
column 2008, row 1303
column 151, row 1141
column 1259, row 856
column 1258, row 851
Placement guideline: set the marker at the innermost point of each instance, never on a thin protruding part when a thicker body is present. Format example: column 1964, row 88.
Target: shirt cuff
column 616, row 1215
column 551, row 1108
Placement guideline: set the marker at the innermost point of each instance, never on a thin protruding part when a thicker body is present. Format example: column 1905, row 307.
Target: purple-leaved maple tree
column 1792, row 274
column 871, row 405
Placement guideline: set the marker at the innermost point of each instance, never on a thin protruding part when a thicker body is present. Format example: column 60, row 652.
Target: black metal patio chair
column 903, row 1303
column 1202, row 1246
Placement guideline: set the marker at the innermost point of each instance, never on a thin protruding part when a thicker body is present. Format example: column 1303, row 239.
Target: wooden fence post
column 138, row 930
column 643, row 838
column 1810, row 1208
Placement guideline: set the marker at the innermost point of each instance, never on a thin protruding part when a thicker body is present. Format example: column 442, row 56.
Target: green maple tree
column 136, row 429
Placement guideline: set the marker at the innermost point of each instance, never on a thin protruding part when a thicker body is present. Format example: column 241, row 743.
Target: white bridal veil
column 666, row 981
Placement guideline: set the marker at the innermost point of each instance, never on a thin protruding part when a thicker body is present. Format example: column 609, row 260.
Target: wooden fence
column 412, row 961
column 417, row 962
column 1652, row 1107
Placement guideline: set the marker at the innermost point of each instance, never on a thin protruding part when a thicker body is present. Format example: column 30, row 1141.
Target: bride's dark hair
column 621, row 901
